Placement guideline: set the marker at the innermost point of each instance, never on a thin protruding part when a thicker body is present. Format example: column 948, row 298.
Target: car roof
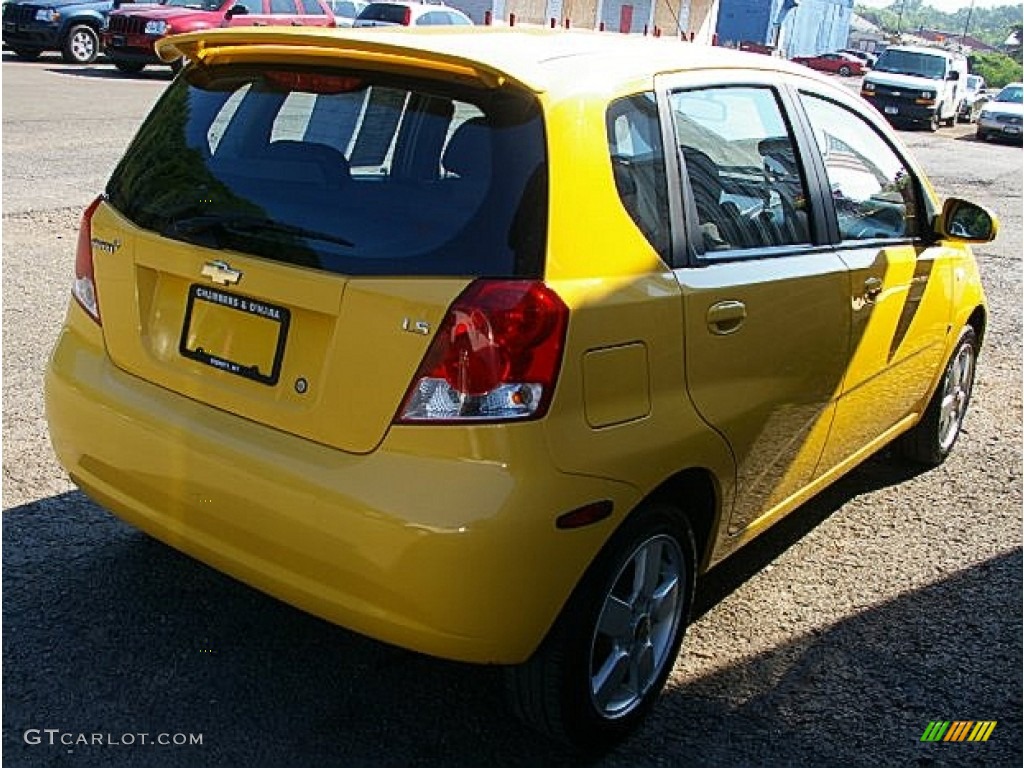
column 412, row 4
column 926, row 49
column 540, row 59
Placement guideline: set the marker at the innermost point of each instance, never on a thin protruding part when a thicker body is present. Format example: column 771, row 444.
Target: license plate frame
column 119, row 41
column 892, row 110
column 205, row 305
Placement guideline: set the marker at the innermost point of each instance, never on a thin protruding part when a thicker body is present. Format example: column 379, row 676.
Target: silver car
column 410, row 13
column 1002, row 117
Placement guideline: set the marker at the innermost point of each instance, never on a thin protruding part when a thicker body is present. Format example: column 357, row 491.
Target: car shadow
column 104, row 71
column 862, row 691
column 109, row 631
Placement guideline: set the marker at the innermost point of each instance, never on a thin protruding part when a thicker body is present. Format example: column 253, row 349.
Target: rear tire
column 933, row 438
column 129, row 67
column 844, row 71
column 81, row 45
column 604, row 662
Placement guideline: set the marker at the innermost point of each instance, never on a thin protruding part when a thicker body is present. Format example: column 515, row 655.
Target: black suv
column 69, row 26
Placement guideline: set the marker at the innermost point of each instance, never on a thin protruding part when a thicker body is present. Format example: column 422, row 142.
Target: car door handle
column 296, row 23
column 726, row 317
column 872, row 288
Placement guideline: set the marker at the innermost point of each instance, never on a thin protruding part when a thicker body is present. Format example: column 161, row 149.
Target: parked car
column 1000, row 118
column 867, row 58
column 410, row 13
column 975, row 97
column 31, row 27
column 131, row 33
column 838, row 63
column 342, row 325
column 345, row 11
column 917, row 85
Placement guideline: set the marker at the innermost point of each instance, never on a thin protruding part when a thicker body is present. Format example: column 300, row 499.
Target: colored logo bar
column 958, row 730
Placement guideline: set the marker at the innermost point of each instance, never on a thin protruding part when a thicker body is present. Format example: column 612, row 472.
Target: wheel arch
column 89, row 19
column 978, row 320
column 696, row 492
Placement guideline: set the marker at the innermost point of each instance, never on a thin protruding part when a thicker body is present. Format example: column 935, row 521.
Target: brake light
column 495, row 357
column 84, row 287
column 407, row 17
column 283, row 80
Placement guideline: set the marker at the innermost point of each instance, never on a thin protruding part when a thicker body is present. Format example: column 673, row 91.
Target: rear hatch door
column 282, row 243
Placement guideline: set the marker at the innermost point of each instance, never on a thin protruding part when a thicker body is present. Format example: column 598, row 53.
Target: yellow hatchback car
column 487, row 343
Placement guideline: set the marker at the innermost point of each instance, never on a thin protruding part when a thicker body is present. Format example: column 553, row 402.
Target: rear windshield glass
column 393, row 14
column 346, row 171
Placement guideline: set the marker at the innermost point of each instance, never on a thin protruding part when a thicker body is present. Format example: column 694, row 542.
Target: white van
column 911, row 84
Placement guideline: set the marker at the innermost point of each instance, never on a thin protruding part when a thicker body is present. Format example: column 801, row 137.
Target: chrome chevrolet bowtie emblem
column 221, row 273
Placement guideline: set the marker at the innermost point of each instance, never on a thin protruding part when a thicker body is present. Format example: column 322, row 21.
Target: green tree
column 998, row 69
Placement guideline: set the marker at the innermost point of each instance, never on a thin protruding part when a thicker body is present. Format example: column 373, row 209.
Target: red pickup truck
column 132, row 31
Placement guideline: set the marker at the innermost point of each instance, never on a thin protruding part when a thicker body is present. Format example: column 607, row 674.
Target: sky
column 947, row 6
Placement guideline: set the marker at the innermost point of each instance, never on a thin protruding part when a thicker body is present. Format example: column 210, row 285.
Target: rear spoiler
column 281, row 44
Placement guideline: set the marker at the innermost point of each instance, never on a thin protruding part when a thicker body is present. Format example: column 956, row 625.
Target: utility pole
column 967, row 25
column 899, row 18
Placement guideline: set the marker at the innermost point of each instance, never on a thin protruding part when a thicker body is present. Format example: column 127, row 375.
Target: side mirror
column 236, row 10
column 954, row 75
column 966, row 221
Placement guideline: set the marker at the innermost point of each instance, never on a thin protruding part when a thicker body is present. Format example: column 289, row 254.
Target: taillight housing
column 495, row 357
column 407, row 17
column 84, row 286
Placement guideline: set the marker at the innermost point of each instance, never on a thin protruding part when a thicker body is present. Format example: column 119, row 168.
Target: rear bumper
column 452, row 552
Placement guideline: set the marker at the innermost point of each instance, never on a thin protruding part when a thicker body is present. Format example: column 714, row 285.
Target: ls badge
column 420, row 327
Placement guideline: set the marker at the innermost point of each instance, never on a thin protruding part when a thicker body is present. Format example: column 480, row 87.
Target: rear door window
column 350, row 172
column 743, row 168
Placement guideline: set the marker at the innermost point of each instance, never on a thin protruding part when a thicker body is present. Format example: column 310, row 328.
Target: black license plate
column 119, row 41
column 235, row 334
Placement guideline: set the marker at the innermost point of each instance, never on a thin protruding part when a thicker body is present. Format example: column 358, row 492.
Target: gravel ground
column 892, row 600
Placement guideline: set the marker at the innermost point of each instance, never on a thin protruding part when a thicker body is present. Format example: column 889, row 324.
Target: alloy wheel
column 637, row 626
column 956, row 393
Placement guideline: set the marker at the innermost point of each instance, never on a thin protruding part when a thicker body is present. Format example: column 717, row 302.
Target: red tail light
column 407, row 18
column 84, row 287
column 495, row 357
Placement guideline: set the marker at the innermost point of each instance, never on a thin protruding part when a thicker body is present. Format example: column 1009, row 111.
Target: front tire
column 933, row 438
column 603, row 664
column 27, row 54
column 844, row 71
column 81, row 46
column 129, row 67
column 933, row 123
